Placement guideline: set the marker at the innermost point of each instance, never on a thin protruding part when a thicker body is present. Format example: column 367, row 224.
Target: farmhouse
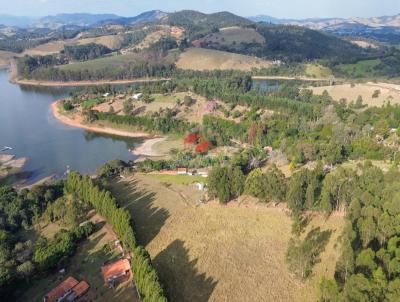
column 118, row 270
column 69, row 290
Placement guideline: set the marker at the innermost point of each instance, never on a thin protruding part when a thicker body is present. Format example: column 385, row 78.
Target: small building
column 137, row 96
column 78, row 291
column 182, row 171
column 68, row 290
column 202, row 172
column 106, row 94
column 116, row 271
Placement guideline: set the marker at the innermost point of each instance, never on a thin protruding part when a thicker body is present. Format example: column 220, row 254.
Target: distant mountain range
column 322, row 23
column 79, row 19
column 384, row 29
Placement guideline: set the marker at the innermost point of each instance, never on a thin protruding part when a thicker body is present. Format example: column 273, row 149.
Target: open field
column 85, row 265
column 359, row 69
column 317, row 71
column 162, row 31
column 177, row 179
column 101, row 63
column 110, row 41
column 235, row 35
column 209, row 252
column 5, row 57
column 388, row 92
column 208, row 59
column 364, row 44
column 46, row 49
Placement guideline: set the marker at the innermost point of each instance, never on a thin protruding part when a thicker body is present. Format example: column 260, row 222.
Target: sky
column 275, row 8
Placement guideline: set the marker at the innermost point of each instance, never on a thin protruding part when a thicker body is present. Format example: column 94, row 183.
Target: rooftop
column 61, row 290
column 116, row 269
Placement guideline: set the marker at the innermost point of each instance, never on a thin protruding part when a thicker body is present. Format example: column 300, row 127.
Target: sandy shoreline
column 107, row 130
column 82, row 83
column 146, row 148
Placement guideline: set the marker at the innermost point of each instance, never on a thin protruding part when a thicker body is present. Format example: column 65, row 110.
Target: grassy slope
column 235, row 34
column 207, row 59
column 219, row 253
column 101, row 63
column 359, row 70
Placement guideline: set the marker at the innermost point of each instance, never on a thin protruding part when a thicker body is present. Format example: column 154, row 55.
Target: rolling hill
column 383, row 29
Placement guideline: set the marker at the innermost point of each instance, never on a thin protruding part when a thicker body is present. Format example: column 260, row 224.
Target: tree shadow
column 318, row 240
column 180, row 277
column 148, row 219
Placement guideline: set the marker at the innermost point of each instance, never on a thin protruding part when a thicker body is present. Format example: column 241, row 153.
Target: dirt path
column 78, row 124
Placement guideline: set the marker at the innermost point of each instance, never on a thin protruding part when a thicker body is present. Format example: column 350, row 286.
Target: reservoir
column 28, row 126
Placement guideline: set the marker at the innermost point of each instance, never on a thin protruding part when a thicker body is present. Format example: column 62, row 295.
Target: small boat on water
column 6, row 148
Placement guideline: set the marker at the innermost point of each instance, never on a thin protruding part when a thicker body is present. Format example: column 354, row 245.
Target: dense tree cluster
column 165, row 123
column 226, row 182
column 368, row 269
column 85, row 52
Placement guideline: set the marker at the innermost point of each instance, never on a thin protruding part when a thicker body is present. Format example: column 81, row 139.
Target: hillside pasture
column 161, row 32
column 388, row 93
column 210, row 252
column 230, row 36
column 110, row 41
column 101, row 63
column 47, row 48
column 360, row 69
column 208, row 59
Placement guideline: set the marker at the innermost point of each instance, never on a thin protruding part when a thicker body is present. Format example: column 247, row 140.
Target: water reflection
column 27, row 125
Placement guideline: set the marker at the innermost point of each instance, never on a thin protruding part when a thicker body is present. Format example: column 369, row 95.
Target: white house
column 106, row 94
column 137, row 96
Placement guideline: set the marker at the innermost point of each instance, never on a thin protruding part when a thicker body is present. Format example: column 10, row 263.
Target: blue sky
column 276, row 8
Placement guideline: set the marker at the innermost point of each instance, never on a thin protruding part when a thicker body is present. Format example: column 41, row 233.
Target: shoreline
column 74, row 123
column 82, row 83
column 147, row 148
column 300, row 78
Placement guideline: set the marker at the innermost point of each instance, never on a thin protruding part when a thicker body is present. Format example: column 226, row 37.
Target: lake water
column 27, row 125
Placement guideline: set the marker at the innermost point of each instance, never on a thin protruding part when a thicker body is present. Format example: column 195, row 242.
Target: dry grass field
column 209, row 252
column 46, row 49
column 235, row 35
column 162, row 31
column 5, row 57
column 110, row 41
column 388, row 92
column 208, row 59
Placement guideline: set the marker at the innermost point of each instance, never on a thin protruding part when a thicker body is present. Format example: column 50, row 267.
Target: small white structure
column 137, row 96
column 200, row 186
column 202, row 172
column 106, row 94
column 182, row 171
column 393, row 130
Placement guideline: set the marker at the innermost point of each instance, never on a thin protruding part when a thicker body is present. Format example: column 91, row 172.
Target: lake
column 28, row 126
